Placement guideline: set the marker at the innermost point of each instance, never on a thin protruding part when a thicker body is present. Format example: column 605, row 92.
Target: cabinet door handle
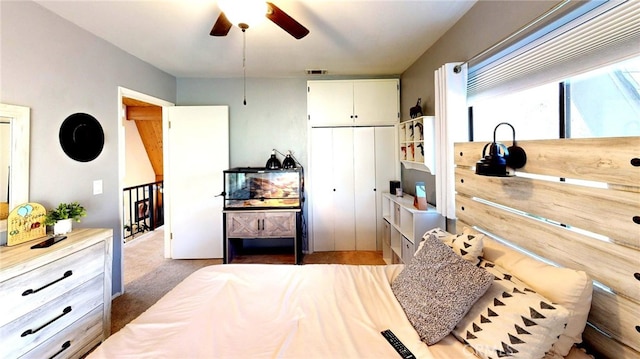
column 65, row 311
column 66, row 274
column 66, row 345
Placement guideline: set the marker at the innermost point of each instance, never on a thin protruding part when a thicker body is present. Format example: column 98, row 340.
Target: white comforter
column 271, row 311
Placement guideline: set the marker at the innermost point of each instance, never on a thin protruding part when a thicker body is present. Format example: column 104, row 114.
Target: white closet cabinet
column 349, row 168
column 353, row 102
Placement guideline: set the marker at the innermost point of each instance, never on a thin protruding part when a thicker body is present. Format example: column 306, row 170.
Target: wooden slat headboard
column 593, row 227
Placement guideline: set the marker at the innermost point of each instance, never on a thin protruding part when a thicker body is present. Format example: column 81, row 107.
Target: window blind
column 603, row 35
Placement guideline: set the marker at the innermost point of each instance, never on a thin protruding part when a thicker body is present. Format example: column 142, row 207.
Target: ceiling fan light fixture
column 245, row 12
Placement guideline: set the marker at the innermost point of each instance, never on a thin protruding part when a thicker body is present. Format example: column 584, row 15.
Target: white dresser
column 55, row 302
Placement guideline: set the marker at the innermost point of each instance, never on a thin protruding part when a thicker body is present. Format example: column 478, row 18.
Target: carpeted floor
column 148, row 275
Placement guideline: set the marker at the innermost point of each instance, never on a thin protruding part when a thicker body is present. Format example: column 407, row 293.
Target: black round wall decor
column 81, row 137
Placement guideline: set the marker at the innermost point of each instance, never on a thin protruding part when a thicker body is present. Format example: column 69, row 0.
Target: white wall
column 57, row 69
column 138, row 169
column 5, row 159
column 275, row 115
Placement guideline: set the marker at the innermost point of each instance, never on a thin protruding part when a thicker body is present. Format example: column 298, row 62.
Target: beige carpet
column 148, row 275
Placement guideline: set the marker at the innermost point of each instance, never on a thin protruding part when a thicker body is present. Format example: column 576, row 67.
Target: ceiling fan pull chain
column 244, row 68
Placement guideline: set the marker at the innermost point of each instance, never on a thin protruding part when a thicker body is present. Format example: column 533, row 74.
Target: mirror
column 14, row 159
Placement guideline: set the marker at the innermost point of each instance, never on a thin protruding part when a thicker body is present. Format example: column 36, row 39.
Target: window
column 600, row 103
column 606, row 102
column 533, row 113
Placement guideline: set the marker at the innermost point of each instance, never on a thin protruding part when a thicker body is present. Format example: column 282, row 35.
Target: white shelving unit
column 404, row 226
column 417, row 143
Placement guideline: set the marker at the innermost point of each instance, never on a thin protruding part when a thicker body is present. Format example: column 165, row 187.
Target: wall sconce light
column 500, row 158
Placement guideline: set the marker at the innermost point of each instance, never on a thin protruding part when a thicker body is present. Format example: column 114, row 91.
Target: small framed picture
column 420, row 200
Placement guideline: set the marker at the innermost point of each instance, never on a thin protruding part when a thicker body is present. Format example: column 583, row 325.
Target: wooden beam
column 144, row 113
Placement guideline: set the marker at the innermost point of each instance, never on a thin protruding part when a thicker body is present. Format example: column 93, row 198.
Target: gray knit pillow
column 437, row 288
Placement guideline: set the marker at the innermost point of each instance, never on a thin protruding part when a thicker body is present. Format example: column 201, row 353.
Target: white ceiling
column 353, row 37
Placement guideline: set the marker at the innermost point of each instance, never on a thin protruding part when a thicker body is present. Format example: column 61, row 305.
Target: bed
column 471, row 302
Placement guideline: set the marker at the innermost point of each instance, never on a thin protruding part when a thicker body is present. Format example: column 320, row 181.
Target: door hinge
column 308, row 89
column 169, row 124
column 171, row 236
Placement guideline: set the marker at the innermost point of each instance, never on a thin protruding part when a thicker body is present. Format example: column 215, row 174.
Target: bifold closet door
column 386, row 162
column 344, row 190
column 332, row 182
column 350, row 168
column 364, row 169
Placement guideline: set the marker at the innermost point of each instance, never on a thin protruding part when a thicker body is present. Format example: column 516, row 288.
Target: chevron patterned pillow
column 511, row 320
column 468, row 245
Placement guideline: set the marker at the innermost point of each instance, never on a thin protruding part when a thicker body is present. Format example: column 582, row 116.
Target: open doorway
column 141, row 170
column 142, row 207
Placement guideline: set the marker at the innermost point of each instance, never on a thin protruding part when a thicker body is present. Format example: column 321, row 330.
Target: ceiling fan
column 273, row 13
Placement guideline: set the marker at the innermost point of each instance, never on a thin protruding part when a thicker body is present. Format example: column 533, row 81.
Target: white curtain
column 452, row 126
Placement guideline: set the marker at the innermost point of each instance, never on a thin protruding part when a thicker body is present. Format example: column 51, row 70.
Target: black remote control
column 397, row 344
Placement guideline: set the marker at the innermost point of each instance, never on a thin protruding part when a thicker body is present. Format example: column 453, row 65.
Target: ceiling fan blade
column 286, row 22
column 221, row 27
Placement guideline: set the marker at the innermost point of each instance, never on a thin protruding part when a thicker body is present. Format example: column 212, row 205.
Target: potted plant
column 62, row 216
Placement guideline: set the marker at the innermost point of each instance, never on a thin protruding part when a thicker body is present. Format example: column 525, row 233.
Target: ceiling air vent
column 316, row 72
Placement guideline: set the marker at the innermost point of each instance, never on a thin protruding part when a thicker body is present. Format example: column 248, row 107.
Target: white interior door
column 364, row 168
column 196, row 151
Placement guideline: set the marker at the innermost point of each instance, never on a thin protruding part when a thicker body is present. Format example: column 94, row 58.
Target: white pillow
column 437, row 233
column 570, row 288
column 467, row 245
column 511, row 319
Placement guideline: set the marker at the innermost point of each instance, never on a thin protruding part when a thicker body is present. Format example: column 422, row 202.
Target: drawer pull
column 66, row 274
column 65, row 346
column 66, row 311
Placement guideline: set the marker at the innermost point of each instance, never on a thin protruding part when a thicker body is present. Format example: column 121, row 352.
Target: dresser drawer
column 73, row 341
column 24, row 293
column 28, row 331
